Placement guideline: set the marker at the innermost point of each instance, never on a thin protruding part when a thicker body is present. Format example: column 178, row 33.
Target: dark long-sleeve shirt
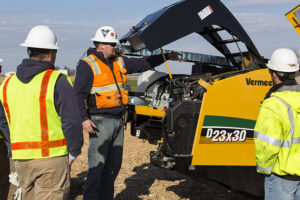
column 64, row 100
column 84, row 81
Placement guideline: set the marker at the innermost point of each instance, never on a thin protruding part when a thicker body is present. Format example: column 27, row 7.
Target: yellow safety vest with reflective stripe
column 1, row 137
column 277, row 134
column 108, row 87
column 35, row 127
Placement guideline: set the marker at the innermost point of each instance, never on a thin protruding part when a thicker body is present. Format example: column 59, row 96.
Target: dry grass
column 140, row 180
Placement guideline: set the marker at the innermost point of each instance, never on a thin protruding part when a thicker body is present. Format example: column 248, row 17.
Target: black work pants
column 4, row 171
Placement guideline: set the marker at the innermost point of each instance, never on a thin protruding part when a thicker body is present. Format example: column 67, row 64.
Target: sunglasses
column 112, row 44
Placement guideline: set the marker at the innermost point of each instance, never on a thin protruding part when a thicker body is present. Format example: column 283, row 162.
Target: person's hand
column 173, row 56
column 88, row 126
column 70, row 161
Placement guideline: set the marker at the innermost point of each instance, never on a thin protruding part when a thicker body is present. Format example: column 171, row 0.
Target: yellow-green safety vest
column 277, row 134
column 34, row 125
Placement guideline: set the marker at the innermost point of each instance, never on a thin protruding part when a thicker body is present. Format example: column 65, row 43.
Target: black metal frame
column 174, row 22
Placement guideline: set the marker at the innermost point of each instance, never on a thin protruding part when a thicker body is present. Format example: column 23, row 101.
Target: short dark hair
column 283, row 76
column 36, row 52
column 96, row 44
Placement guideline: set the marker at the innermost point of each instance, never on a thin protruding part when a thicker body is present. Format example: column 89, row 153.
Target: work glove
column 13, row 179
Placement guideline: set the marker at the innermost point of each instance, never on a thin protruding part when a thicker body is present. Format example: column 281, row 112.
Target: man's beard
column 112, row 56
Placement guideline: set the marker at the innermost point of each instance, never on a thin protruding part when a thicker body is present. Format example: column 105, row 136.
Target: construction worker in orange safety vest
column 100, row 82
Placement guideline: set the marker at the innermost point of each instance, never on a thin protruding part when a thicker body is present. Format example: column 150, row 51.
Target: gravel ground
column 140, row 180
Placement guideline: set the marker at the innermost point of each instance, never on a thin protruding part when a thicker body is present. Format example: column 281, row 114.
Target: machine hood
column 205, row 17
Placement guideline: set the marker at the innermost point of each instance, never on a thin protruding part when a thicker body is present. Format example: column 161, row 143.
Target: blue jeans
column 277, row 188
column 104, row 158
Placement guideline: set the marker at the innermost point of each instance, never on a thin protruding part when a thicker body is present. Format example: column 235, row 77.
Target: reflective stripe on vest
column 266, row 170
column 277, row 142
column 107, row 88
column 43, row 145
column 108, row 85
column 46, row 138
column 92, row 61
column 120, row 61
column 5, row 105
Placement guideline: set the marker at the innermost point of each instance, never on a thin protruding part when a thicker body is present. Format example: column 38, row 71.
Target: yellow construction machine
column 202, row 122
column 294, row 17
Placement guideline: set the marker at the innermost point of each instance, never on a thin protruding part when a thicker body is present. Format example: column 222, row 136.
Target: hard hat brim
column 105, row 41
column 279, row 69
column 54, row 47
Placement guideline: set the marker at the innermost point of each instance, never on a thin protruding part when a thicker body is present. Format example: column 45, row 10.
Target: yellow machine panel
column 149, row 111
column 294, row 17
column 224, row 134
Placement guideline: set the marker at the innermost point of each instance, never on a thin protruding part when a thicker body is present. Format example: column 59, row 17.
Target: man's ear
column 48, row 55
column 99, row 47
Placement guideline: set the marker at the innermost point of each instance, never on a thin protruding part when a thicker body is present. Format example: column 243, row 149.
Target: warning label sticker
column 205, row 12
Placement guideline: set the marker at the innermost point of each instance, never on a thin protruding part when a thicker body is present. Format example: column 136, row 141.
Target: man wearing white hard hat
column 4, row 167
column 277, row 129
column 100, row 80
column 40, row 109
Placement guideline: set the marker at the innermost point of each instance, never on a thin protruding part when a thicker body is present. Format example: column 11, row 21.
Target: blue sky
column 75, row 22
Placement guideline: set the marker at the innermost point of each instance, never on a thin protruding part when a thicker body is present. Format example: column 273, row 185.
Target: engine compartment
column 164, row 91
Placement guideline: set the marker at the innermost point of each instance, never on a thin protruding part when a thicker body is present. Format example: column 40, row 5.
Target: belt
column 289, row 177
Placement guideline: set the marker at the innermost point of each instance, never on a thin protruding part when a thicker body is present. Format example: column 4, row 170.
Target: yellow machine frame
column 224, row 134
column 294, row 17
column 149, row 111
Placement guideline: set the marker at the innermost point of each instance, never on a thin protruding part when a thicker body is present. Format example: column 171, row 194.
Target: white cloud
column 244, row 3
column 262, row 22
column 269, row 31
column 73, row 36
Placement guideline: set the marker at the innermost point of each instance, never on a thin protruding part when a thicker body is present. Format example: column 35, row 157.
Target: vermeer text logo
column 249, row 81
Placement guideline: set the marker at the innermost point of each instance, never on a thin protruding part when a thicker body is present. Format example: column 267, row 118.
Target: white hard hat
column 1, row 60
column 41, row 37
column 283, row 60
column 105, row 34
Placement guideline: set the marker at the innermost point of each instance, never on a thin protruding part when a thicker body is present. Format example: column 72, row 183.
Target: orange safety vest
column 107, row 91
column 35, row 127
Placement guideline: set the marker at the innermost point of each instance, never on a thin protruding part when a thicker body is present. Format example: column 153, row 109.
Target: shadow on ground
column 138, row 186
column 77, row 185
